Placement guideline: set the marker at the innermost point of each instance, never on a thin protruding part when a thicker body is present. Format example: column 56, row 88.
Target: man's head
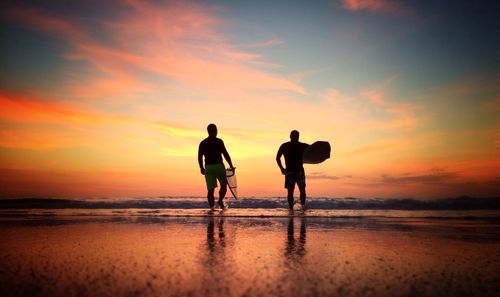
column 212, row 130
column 294, row 135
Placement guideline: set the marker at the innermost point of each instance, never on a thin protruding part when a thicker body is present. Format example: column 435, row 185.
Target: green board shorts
column 214, row 172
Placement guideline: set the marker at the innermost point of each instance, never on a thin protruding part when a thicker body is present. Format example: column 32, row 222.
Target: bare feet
column 222, row 205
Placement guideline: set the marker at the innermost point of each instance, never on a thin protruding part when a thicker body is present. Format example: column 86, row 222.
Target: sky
column 111, row 98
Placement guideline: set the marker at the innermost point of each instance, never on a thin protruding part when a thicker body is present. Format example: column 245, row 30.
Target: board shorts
column 295, row 177
column 214, row 172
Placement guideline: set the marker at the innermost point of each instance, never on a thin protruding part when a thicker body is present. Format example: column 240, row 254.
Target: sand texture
column 216, row 256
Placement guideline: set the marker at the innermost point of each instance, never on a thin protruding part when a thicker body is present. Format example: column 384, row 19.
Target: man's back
column 212, row 148
column 293, row 151
column 294, row 172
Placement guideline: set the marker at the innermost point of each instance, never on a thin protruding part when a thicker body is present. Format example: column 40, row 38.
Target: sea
column 173, row 206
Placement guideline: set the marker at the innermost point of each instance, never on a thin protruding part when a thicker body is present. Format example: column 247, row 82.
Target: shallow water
column 125, row 255
column 253, row 203
column 249, row 213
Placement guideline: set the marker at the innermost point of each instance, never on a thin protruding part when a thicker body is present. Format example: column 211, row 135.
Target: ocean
column 457, row 208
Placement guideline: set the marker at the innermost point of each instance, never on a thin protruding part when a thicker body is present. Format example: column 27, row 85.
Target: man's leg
column 221, row 177
column 302, row 190
column 301, row 183
column 290, row 196
column 211, row 198
column 290, row 186
column 222, row 194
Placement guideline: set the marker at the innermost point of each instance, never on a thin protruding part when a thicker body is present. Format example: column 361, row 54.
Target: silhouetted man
column 213, row 148
column 294, row 171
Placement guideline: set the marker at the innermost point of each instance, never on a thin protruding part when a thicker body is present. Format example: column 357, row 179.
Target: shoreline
column 489, row 215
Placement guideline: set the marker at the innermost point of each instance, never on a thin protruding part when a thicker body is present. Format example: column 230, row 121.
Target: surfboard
column 317, row 152
column 231, row 182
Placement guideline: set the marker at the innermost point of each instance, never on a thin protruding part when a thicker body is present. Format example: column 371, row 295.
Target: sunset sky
column 111, row 98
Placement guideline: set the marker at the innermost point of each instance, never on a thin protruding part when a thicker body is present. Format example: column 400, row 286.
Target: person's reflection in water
column 293, row 277
column 295, row 249
column 215, row 266
column 215, row 246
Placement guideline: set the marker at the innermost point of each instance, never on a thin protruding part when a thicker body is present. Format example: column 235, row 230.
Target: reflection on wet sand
column 216, row 264
column 295, row 276
column 216, row 256
column 215, row 245
column 295, row 249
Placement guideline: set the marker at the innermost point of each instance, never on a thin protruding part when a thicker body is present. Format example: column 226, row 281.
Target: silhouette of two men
column 212, row 149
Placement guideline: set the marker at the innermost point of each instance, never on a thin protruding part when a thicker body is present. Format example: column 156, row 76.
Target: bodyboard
column 317, row 152
column 231, row 182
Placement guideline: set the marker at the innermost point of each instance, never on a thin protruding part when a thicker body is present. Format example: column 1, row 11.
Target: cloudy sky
column 111, row 98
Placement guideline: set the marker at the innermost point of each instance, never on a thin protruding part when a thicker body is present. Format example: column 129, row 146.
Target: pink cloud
column 374, row 96
column 376, row 92
column 377, row 113
column 492, row 104
column 176, row 42
column 265, row 43
column 375, row 6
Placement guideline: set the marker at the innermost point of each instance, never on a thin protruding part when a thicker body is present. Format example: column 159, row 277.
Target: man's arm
column 200, row 159
column 278, row 159
column 226, row 156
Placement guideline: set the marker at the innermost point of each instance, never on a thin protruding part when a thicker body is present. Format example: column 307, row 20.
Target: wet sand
column 231, row 256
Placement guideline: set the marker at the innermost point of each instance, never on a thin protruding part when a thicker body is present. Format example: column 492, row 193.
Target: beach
column 224, row 255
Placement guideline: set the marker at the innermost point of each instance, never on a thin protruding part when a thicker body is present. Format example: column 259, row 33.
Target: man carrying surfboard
column 294, row 171
column 212, row 148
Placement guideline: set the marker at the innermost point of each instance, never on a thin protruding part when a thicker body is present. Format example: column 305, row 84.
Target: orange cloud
column 89, row 183
column 180, row 131
column 37, row 123
column 36, row 138
column 25, row 109
column 394, row 145
column 384, row 6
column 19, row 108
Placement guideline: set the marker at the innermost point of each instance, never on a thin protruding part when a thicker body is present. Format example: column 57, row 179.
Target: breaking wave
column 460, row 203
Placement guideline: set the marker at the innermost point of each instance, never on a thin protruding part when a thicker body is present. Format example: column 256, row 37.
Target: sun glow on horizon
column 113, row 102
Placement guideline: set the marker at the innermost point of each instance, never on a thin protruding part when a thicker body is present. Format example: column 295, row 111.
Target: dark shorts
column 295, row 177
